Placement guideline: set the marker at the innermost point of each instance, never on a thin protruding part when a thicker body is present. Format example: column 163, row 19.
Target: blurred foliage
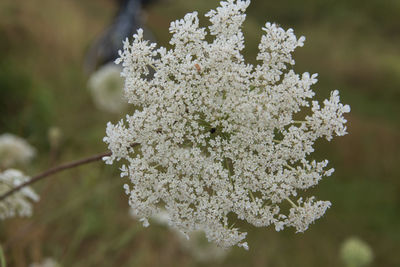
column 82, row 219
column 25, row 108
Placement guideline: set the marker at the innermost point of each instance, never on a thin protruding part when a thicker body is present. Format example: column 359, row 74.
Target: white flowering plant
column 20, row 203
column 14, row 150
column 215, row 139
column 106, row 86
column 354, row 252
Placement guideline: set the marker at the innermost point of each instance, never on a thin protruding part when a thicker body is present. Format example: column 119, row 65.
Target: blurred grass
column 82, row 218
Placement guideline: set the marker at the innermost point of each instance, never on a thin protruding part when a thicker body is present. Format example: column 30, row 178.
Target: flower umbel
column 106, row 86
column 221, row 140
column 14, row 150
column 18, row 204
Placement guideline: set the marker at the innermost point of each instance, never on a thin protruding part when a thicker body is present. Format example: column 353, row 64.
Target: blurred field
column 82, row 218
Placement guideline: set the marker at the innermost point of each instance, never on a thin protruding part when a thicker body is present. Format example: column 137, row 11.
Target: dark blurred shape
column 125, row 24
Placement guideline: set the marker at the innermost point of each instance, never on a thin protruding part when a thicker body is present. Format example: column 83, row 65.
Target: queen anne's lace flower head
column 106, row 86
column 221, row 140
column 14, row 150
column 19, row 203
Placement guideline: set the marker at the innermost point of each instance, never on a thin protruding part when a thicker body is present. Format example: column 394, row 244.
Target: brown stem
column 54, row 170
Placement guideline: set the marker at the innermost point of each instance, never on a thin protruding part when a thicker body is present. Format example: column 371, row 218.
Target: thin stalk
column 54, row 170
column 252, row 196
column 2, row 258
column 291, row 203
column 300, row 122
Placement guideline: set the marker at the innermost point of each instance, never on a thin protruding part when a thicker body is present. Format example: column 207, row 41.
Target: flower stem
column 300, row 122
column 291, row 203
column 54, row 170
column 252, row 196
column 2, row 258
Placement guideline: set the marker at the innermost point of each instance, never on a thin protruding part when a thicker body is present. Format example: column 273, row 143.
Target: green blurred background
column 82, row 218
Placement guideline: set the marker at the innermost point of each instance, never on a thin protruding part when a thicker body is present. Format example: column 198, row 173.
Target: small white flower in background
column 48, row 262
column 55, row 136
column 107, row 88
column 222, row 140
column 14, row 150
column 356, row 253
column 19, row 203
column 195, row 243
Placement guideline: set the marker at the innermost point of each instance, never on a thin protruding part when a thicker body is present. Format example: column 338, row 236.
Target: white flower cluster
column 354, row 252
column 14, row 150
column 18, row 203
column 220, row 140
column 107, row 86
column 48, row 262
